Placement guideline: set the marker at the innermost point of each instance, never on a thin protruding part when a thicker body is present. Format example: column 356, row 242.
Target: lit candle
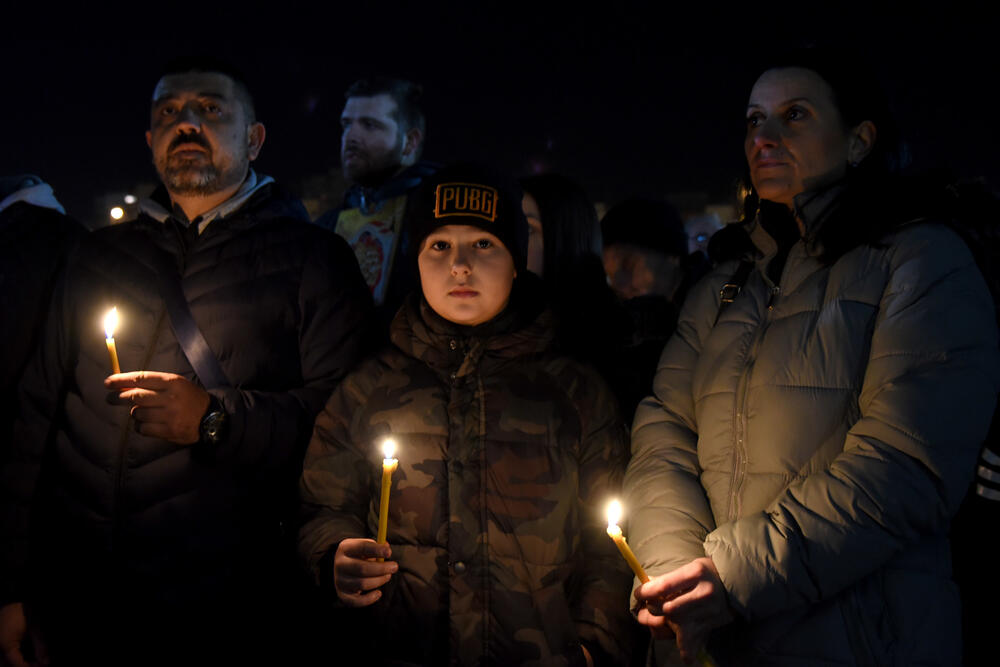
column 388, row 467
column 615, row 533
column 110, row 323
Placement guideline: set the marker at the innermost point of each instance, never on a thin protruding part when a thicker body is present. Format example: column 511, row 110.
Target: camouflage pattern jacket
column 507, row 455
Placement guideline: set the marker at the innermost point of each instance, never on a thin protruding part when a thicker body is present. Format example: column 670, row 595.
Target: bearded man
column 144, row 512
column 380, row 146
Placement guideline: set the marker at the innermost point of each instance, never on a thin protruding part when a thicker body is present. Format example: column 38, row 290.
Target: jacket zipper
column 484, row 518
column 123, row 443
column 740, row 457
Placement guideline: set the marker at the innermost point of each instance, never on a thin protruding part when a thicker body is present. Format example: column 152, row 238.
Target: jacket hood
column 29, row 189
column 524, row 328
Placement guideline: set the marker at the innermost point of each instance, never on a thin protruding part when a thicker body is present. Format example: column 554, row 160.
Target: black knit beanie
column 469, row 194
column 647, row 223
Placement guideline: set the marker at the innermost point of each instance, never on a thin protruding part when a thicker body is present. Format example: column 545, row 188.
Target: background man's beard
column 375, row 176
column 374, row 171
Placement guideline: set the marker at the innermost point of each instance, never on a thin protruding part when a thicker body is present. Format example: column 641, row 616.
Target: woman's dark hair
column 590, row 323
column 571, row 233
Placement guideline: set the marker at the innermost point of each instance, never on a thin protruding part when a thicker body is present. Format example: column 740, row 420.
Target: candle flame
column 111, row 322
column 614, row 513
column 389, row 448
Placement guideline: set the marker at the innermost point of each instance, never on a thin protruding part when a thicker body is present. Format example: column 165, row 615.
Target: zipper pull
column 775, row 291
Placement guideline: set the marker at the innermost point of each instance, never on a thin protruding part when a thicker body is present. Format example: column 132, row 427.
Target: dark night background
column 628, row 100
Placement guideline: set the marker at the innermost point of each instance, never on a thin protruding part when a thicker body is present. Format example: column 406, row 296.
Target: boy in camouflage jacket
column 508, row 452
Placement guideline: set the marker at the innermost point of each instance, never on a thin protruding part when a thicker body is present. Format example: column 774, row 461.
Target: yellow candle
column 110, row 323
column 388, row 467
column 614, row 514
column 615, row 533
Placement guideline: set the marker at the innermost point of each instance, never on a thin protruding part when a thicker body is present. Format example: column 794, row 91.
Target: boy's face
column 466, row 274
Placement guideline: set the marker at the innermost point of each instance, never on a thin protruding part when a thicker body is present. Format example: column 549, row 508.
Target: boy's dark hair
column 207, row 63
column 407, row 95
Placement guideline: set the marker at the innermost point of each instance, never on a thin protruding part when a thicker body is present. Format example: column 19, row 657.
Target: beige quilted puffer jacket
column 816, row 441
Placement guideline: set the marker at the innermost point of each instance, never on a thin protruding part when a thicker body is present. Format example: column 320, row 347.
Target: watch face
column 213, row 427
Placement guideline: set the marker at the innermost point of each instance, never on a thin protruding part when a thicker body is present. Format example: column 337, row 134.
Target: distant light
column 117, row 213
column 130, row 199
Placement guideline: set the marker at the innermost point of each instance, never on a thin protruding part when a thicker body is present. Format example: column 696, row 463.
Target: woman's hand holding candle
column 688, row 604
column 684, row 604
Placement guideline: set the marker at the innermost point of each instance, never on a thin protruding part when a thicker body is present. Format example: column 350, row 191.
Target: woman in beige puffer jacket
column 793, row 477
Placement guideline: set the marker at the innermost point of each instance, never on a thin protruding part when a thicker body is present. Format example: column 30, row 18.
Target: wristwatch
column 214, row 425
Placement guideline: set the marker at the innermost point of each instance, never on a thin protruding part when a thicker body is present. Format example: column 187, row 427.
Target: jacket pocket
column 866, row 623
column 922, row 611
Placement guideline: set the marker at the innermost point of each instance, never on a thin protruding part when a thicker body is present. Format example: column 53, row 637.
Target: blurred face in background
column 700, row 230
column 796, row 138
column 634, row 271
column 536, row 242
column 466, row 274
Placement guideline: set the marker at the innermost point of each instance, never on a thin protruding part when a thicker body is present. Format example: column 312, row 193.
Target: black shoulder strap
column 199, row 354
column 733, row 287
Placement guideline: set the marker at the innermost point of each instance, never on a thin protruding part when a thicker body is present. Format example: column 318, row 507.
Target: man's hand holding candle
column 357, row 575
column 164, row 405
column 110, row 324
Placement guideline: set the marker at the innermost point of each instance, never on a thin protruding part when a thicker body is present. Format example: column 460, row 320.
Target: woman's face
column 466, row 274
column 796, row 139
column 536, row 244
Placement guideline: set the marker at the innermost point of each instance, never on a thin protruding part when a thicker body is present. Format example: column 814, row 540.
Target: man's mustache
column 182, row 139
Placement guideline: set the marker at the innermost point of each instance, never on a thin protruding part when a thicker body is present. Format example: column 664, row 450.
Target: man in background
column 380, row 148
column 649, row 267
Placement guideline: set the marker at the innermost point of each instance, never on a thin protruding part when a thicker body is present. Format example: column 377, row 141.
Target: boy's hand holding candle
column 358, row 570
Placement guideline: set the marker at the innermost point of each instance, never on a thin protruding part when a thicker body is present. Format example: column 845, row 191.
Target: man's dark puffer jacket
column 285, row 310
